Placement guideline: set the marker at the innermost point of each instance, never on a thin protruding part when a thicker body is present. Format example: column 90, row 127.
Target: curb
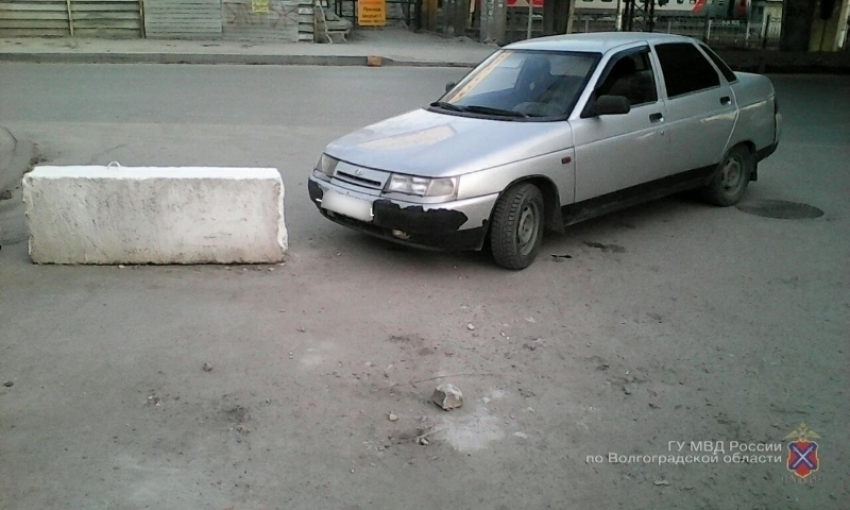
column 767, row 68
column 412, row 63
column 774, row 62
column 213, row 58
column 758, row 66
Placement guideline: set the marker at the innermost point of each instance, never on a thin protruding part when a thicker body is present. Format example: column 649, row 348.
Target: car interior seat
column 620, row 80
column 536, row 75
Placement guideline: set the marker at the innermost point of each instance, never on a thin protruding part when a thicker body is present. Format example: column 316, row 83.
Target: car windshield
column 522, row 84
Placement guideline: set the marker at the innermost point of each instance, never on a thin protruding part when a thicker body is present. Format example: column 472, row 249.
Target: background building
column 729, row 23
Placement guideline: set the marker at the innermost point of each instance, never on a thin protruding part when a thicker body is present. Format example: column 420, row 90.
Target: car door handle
column 725, row 100
column 656, row 117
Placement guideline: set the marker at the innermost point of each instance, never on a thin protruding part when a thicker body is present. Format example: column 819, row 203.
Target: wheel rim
column 528, row 228
column 732, row 174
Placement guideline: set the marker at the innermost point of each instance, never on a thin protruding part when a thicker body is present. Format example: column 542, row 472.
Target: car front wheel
column 731, row 179
column 517, row 229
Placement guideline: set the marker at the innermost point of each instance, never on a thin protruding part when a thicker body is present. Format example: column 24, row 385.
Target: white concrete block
column 146, row 215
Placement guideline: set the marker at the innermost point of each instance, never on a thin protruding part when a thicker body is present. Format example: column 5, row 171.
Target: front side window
column 685, row 69
column 522, row 84
column 631, row 76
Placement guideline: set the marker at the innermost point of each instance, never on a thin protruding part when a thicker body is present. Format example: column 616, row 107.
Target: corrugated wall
column 183, row 19
column 285, row 20
column 243, row 20
column 82, row 18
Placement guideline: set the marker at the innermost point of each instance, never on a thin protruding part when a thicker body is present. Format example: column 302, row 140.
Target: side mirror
column 609, row 105
column 450, row 85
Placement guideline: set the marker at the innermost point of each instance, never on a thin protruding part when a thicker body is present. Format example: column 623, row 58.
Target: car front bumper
column 451, row 226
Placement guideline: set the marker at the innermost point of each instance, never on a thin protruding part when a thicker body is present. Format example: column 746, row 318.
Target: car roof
column 599, row 42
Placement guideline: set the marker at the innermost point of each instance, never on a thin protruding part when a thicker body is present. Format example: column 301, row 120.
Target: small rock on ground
column 447, row 396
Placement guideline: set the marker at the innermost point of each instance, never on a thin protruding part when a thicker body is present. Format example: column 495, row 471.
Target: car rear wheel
column 517, row 229
column 731, row 179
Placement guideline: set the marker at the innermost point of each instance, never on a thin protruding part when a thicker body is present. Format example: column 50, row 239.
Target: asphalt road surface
column 671, row 323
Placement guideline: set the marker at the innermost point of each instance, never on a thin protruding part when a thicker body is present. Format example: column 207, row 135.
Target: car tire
column 516, row 232
column 731, row 178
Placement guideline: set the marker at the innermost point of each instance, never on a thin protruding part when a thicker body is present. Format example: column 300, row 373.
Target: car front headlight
column 326, row 165
column 422, row 186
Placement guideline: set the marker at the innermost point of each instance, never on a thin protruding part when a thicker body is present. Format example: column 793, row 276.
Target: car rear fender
column 756, row 123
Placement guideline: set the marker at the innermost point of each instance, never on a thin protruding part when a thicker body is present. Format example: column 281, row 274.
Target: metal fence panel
column 182, row 19
column 763, row 33
column 87, row 18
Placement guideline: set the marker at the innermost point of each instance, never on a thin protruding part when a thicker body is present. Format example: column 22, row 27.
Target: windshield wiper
column 448, row 106
column 488, row 110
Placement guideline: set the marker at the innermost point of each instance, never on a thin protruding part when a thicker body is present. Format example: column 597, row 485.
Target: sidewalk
column 396, row 46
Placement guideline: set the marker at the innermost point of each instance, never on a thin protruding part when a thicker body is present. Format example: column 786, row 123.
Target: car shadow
column 665, row 210
column 595, row 233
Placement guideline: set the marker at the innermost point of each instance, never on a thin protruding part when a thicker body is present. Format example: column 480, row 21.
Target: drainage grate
column 781, row 210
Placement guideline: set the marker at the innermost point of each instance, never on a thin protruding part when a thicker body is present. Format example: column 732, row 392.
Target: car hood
column 433, row 144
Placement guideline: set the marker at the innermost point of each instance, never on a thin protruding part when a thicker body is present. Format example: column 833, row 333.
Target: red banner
column 537, row 4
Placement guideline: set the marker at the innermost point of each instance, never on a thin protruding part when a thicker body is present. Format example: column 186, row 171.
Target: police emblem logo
column 802, row 451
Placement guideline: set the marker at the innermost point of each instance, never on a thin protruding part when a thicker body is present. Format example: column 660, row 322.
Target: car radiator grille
column 359, row 181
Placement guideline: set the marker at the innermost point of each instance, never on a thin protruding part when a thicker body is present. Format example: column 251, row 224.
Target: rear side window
column 685, row 69
column 727, row 72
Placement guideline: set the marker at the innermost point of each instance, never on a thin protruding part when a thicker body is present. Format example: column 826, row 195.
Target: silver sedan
column 549, row 132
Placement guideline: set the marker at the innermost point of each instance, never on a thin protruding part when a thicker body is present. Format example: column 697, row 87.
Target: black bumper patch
column 416, row 219
column 433, row 229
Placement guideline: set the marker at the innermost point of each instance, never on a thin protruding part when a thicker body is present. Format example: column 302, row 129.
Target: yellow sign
column 372, row 13
column 260, row 6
